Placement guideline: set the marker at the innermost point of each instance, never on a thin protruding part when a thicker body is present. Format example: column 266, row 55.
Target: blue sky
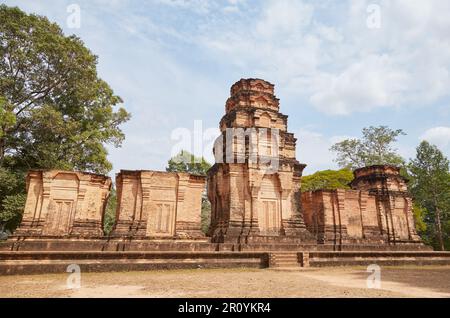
column 173, row 62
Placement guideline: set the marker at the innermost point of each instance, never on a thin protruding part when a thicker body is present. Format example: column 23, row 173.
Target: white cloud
column 231, row 9
column 233, row 6
column 197, row 6
column 313, row 148
column 405, row 63
column 440, row 136
column 281, row 17
column 340, row 64
column 370, row 83
column 173, row 62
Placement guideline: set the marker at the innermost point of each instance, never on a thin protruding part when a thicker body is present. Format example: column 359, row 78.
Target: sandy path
column 323, row 282
column 405, row 283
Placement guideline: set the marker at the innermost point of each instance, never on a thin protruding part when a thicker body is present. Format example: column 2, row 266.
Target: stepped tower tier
column 254, row 186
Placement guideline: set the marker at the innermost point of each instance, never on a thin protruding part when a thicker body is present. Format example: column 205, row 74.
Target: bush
column 327, row 180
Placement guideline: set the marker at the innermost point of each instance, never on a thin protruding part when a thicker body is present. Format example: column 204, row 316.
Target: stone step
column 112, row 244
column 353, row 258
column 278, row 262
column 24, row 262
column 293, row 257
column 381, row 262
column 12, row 263
column 357, row 258
column 285, row 263
column 60, row 266
column 285, row 254
column 283, row 260
column 60, row 255
column 424, row 254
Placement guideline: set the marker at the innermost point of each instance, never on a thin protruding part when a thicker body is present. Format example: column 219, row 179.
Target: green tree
column 374, row 148
column 110, row 213
column 12, row 198
column 419, row 219
column 327, row 180
column 55, row 112
column 187, row 162
column 430, row 187
column 206, row 214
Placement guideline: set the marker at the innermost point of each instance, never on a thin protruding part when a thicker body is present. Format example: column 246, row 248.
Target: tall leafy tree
column 375, row 147
column 187, row 162
column 55, row 112
column 430, row 187
column 110, row 213
column 327, row 180
column 12, row 198
column 419, row 214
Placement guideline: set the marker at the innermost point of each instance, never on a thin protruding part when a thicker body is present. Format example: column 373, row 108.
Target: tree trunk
column 2, row 149
column 437, row 221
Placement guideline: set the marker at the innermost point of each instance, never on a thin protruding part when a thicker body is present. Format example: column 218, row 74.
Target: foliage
column 12, row 208
column 327, row 180
column 55, row 112
column 7, row 118
column 206, row 214
column 12, row 198
column 419, row 219
column 374, row 148
column 187, row 162
column 110, row 213
column 430, row 187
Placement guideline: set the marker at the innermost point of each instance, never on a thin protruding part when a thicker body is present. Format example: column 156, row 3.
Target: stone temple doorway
column 62, row 204
column 162, row 221
column 59, row 219
column 269, row 216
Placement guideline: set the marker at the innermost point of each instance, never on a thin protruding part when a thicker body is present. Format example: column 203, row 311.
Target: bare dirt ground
column 430, row 281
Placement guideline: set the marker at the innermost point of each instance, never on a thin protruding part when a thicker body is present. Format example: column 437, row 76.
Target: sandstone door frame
column 59, row 219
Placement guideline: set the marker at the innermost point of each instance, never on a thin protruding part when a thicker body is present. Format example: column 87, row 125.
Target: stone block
column 377, row 210
column 64, row 204
column 158, row 205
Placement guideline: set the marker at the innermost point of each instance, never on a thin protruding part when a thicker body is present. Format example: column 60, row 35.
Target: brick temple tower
column 377, row 210
column 254, row 186
column 392, row 201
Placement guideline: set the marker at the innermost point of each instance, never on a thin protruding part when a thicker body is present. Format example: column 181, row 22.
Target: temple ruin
column 259, row 216
column 254, row 187
column 378, row 209
column 155, row 204
column 64, row 203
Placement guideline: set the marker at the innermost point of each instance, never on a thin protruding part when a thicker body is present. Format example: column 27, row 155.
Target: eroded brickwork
column 64, row 203
column 254, row 186
column 254, row 191
column 154, row 204
column 378, row 209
